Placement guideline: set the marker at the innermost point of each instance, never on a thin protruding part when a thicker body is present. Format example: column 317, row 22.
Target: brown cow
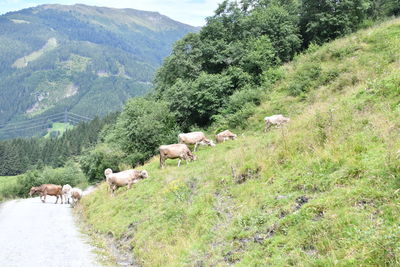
column 47, row 189
column 194, row 138
column 175, row 151
column 76, row 195
column 225, row 135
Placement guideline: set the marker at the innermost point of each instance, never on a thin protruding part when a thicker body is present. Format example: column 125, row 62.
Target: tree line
column 20, row 155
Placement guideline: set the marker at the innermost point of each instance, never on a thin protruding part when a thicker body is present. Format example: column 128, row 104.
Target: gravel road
column 34, row 234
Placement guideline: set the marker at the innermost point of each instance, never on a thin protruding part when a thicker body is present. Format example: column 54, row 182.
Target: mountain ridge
column 106, row 54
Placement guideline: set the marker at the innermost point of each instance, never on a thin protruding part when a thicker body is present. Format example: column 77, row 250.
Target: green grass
column 7, row 183
column 59, row 127
column 322, row 191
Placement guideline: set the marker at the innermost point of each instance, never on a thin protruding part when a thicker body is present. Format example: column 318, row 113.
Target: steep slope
column 321, row 191
column 84, row 59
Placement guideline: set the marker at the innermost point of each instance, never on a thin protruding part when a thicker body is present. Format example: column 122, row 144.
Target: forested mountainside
column 83, row 59
column 22, row 154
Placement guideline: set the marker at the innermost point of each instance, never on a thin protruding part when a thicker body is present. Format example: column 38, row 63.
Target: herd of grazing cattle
column 65, row 193
column 179, row 151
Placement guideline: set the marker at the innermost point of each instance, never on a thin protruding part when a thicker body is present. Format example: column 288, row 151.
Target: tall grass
column 7, row 185
column 321, row 191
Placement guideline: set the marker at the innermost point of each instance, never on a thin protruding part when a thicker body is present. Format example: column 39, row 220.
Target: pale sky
column 192, row 12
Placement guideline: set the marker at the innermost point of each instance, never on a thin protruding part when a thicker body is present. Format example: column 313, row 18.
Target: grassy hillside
column 322, row 191
column 84, row 59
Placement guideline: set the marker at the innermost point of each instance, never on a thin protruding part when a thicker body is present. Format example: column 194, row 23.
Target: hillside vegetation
column 321, row 191
column 62, row 144
column 84, row 59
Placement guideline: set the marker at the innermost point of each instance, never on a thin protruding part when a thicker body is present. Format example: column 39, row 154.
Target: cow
column 194, row 138
column 124, row 178
column 66, row 191
column 76, row 195
column 275, row 120
column 225, row 135
column 47, row 189
column 175, row 151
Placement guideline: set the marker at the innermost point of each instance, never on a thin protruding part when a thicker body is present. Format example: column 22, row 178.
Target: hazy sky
column 192, row 12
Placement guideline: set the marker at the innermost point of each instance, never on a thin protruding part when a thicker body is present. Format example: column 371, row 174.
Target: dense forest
column 83, row 59
column 20, row 155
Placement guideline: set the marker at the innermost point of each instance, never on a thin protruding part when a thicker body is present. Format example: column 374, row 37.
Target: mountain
column 84, row 59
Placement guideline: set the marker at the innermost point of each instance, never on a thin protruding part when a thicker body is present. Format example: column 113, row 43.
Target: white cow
column 224, row 136
column 275, row 120
column 66, row 191
column 124, row 178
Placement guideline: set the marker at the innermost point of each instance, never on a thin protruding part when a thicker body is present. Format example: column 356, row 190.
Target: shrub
column 94, row 162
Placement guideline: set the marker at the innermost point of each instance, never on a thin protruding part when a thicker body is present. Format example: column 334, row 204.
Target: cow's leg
column 62, row 201
column 162, row 162
column 179, row 162
column 44, row 194
column 56, row 199
column 40, row 196
column 267, row 126
column 195, row 146
column 129, row 184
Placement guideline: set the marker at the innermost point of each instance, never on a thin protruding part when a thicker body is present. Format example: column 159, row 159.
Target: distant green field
column 60, row 127
column 6, row 186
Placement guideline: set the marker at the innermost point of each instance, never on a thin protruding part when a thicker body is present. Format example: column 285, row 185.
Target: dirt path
column 37, row 234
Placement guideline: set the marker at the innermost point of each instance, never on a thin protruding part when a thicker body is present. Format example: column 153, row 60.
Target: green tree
column 94, row 162
column 142, row 127
column 324, row 20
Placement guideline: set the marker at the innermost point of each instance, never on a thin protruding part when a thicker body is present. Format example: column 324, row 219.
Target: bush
column 94, row 162
column 305, row 77
column 143, row 126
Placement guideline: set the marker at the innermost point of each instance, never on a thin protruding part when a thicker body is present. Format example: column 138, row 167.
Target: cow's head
column 107, row 172
column 33, row 190
column 192, row 157
column 144, row 174
column 207, row 142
